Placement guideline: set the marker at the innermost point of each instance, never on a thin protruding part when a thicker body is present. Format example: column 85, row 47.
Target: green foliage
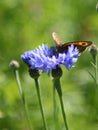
column 25, row 24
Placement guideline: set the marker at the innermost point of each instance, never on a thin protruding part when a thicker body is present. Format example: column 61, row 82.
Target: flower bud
column 94, row 50
column 34, row 73
column 14, row 64
column 97, row 7
column 57, row 73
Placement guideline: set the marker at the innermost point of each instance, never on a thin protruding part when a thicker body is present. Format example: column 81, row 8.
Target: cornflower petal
column 71, row 57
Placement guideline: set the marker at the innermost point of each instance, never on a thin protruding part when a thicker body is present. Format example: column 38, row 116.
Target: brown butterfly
column 81, row 45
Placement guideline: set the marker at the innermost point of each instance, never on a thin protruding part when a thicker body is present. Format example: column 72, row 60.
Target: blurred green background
column 25, row 24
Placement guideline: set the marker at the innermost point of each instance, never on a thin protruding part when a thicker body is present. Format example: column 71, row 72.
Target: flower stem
column 54, row 102
column 55, row 109
column 95, row 63
column 23, row 98
column 40, row 103
column 59, row 91
column 94, row 52
column 63, row 112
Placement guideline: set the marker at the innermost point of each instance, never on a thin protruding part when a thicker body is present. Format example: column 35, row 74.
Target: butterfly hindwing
column 81, row 45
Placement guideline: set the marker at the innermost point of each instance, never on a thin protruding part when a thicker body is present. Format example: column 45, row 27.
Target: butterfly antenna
column 56, row 39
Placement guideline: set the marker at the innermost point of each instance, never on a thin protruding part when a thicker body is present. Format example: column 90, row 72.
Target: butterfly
column 81, row 45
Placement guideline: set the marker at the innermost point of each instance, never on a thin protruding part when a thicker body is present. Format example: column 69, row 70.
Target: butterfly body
column 80, row 45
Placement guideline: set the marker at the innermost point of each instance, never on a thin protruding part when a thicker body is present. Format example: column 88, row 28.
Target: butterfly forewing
column 57, row 39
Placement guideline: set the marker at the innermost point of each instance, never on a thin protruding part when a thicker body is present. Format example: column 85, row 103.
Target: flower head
column 37, row 58
column 45, row 59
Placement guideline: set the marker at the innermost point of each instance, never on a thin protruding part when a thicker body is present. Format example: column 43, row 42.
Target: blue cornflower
column 37, row 58
column 45, row 59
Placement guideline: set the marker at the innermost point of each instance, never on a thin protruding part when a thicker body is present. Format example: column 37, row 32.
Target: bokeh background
column 25, row 24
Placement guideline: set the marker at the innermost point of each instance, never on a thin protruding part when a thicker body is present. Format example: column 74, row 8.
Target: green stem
column 95, row 62
column 63, row 112
column 54, row 102
column 40, row 103
column 55, row 110
column 23, row 98
column 59, row 90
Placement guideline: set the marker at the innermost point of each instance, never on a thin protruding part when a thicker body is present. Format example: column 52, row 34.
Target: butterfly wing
column 81, row 45
column 57, row 39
